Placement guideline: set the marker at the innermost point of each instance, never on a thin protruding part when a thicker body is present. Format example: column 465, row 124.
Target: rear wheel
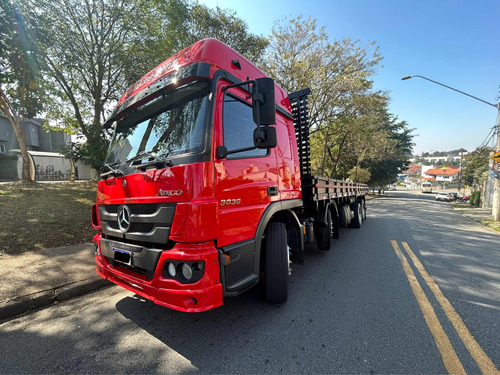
column 277, row 263
column 358, row 216
column 363, row 209
column 335, row 223
column 345, row 215
column 325, row 233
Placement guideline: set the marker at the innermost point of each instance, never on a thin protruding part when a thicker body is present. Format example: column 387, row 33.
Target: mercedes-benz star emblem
column 123, row 218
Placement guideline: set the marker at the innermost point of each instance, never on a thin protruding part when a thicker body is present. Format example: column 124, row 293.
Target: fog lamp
column 171, row 269
column 187, row 272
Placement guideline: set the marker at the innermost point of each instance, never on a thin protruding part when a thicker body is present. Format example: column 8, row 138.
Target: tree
column 161, row 30
column 475, row 165
column 93, row 50
column 169, row 26
column 360, row 175
column 394, row 156
column 223, row 24
column 301, row 56
column 350, row 126
column 81, row 45
column 19, row 75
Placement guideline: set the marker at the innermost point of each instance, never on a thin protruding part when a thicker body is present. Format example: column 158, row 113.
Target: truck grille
column 148, row 223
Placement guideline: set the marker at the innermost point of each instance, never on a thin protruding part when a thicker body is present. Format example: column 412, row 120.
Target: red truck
column 207, row 186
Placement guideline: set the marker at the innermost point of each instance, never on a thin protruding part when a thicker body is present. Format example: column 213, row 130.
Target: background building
column 44, row 146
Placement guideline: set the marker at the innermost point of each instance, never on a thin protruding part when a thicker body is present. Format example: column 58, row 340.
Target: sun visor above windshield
column 178, row 77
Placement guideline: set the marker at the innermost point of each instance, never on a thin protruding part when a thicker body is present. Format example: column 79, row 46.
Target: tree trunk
column 18, row 129
column 17, row 124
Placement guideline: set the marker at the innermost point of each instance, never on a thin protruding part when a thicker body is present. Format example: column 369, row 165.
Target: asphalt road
column 415, row 290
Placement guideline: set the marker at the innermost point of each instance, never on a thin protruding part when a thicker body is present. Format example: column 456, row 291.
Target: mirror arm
column 225, row 88
column 222, row 151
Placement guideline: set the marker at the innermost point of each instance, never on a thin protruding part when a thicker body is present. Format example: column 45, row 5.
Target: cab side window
column 238, row 127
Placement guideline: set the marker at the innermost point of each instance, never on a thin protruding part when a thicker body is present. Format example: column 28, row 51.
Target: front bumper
column 205, row 294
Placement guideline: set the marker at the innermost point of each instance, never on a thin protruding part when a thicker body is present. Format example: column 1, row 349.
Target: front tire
column 277, row 263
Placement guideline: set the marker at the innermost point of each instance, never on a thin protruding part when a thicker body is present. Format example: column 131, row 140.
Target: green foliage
column 447, row 163
column 19, row 68
column 224, row 25
column 360, row 175
column 393, row 155
column 92, row 51
column 350, row 123
column 475, row 166
column 300, row 55
column 475, row 199
column 20, row 79
column 91, row 151
column 81, row 49
column 160, row 30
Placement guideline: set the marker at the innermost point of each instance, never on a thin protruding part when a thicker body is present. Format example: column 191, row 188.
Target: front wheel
column 277, row 263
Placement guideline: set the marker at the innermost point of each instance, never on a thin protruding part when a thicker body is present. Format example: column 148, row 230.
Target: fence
column 45, row 166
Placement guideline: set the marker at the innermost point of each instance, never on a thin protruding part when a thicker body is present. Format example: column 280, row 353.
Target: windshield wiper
column 156, row 162
column 111, row 171
column 142, row 154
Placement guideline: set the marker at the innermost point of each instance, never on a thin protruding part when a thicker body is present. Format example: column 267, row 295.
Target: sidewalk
column 35, row 279
column 476, row 214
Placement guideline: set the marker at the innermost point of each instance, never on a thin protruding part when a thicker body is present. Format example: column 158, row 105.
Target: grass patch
column 37, row 216
column 495, row 225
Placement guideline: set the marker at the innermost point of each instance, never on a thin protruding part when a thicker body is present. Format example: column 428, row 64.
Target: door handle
column 272, row 191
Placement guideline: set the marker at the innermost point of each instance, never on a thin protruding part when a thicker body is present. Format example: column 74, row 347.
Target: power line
column 490, row 135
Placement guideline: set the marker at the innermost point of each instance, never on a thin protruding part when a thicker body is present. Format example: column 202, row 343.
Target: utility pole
column 460, row 170
column 496, row 192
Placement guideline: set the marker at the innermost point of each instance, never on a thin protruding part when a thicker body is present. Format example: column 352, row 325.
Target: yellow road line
column 450, row 358
column 485, row 364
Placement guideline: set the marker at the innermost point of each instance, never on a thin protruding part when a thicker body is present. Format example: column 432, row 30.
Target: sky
column 455, row 43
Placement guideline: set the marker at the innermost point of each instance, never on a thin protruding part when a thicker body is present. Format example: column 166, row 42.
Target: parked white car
column 442, row 196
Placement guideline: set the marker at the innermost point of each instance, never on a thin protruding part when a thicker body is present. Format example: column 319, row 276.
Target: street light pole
column 496, row 192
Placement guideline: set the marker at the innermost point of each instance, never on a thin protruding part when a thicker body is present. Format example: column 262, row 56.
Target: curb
column 25, row 304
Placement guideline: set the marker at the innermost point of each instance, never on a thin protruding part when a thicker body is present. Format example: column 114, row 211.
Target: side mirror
column 264, row 137
column 263, row 103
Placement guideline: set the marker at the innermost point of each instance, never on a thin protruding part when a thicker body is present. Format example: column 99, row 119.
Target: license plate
column 123, row 256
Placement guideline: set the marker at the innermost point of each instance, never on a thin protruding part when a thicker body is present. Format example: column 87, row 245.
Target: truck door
column 245, row 182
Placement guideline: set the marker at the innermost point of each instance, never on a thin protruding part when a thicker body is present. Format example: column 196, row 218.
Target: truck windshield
column 169, row 125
